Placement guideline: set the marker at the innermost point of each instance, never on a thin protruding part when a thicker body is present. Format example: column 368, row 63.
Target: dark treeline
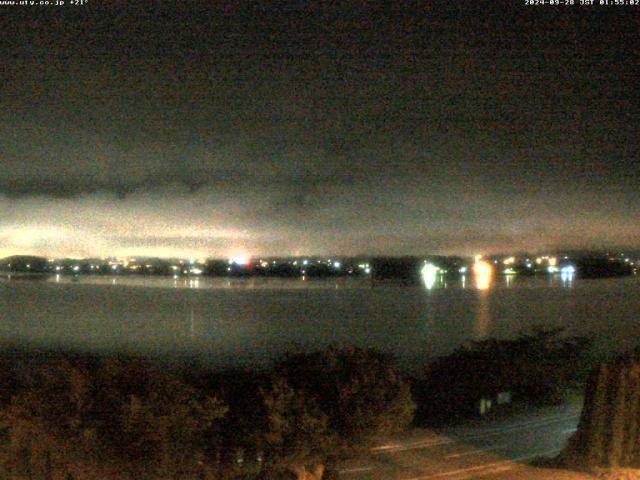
column 67, row 416
column 79, row 416
column 280, row 268
column 407, row 269
column 594, row 267
column 538, row 367
column 608, row 433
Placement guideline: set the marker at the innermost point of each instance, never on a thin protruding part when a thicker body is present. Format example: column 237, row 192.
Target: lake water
column 253, row 321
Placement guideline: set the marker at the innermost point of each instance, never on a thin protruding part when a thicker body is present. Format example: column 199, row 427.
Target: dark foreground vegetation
column 71, row 416
column 67, row 416
column 608, row 434
column 539, row 368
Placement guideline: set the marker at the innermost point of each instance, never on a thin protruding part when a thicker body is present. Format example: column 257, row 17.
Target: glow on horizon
column 29, row 238
column 100, row 226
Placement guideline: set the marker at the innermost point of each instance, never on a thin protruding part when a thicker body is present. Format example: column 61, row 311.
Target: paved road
column 473, row 450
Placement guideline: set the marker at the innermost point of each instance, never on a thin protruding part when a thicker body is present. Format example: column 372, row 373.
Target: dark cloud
column 322, row 127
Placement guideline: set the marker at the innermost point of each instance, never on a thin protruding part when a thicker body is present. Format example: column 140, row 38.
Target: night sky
column 220, row 128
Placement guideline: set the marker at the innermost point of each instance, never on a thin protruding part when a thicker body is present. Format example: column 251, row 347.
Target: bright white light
column 463, row 270
column 429, row 274
column 196, row 271
column 239, row 260
column 114, row 267
column 76, row 268
column 336, row 264
column 305, row 262
column 509, row 271
column 567, row 273
column 367, row 270
column 551, row 269
column 529, row 265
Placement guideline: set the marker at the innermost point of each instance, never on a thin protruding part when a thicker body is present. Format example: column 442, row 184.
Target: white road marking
column 503, row 465
column 524, row 425
column 386, row 447
column 416, row 445
column 462, row 471
column 476, row 451
column 356, row 470
column 398, row 447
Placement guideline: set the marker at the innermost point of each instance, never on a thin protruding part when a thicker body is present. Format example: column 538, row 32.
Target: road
column 473, row 450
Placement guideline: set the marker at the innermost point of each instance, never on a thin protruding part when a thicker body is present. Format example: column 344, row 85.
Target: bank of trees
column 325, row 405
column 67, row 416
column 538, row 367
column 84, row 418
column 608, row 433
column 80, row 417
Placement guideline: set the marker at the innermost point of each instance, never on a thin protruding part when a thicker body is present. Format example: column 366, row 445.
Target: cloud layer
column 317, row 130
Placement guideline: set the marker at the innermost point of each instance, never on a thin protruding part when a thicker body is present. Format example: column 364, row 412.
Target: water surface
column 253, row 321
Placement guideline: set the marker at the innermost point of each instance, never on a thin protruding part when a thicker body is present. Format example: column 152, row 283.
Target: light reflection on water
column 483, row 274
column 508, row 280
column 250, row 321
column 430, row 279
column 483, row 322
column 567, row 279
